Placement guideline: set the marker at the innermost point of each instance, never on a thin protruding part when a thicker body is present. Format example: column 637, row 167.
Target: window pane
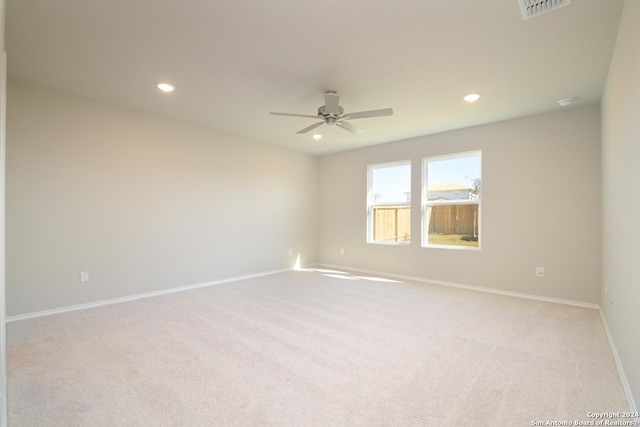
column 456, row 178
column 389, row 198
column 452, row 187
column 454, row 225
column 392, row 184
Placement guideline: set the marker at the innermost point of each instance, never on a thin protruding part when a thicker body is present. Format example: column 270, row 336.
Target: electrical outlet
column 341, row 251
column 84, row 276
column 540, row 271
column 290, row 252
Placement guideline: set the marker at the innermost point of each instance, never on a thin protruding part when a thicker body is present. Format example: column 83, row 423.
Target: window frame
column 371, row 205
column 425, row 203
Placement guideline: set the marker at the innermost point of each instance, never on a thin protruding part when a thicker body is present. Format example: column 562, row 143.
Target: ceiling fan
column 333, row 114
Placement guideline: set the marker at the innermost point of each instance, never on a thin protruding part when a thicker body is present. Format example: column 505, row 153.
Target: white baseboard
column 138, row 296
column 616, row 357
column 469, row 287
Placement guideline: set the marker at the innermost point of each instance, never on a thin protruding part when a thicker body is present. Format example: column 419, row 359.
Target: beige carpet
column 312, row 348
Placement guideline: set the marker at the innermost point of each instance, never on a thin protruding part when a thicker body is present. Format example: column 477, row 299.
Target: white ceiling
column 234, row 62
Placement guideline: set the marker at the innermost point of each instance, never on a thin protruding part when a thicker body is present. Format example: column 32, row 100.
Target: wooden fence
column 453, row 219
column 393, row 223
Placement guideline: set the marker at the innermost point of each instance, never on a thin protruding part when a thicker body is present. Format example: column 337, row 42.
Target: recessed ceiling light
column 166, row 87
column 317, row 136
column 472, row 97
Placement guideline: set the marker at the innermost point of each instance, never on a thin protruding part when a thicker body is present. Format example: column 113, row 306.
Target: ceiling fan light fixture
column 472, row 97
column 165, row 87
column 317, row 136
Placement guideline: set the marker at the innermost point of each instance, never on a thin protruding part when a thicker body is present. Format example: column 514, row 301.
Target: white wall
column 541, row 207
column 621, row 204
column 141, row 202
column 3, row 389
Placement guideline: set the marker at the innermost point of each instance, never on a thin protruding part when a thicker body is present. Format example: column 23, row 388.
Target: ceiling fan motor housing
column 330, row 118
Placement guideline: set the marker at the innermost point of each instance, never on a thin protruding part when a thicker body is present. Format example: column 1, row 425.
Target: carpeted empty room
column 313, row 347
column 319, row 214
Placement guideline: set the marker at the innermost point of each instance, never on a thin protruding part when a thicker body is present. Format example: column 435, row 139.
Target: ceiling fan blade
column 331, row 100
column 308, row 128
column 349, row 127
column 295, row 115
column 371, row 113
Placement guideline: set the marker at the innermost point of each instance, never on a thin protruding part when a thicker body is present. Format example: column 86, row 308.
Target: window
column 389, row 203
column 451, row 199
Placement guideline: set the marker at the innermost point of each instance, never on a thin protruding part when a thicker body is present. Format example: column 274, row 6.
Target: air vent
column 532, row 8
